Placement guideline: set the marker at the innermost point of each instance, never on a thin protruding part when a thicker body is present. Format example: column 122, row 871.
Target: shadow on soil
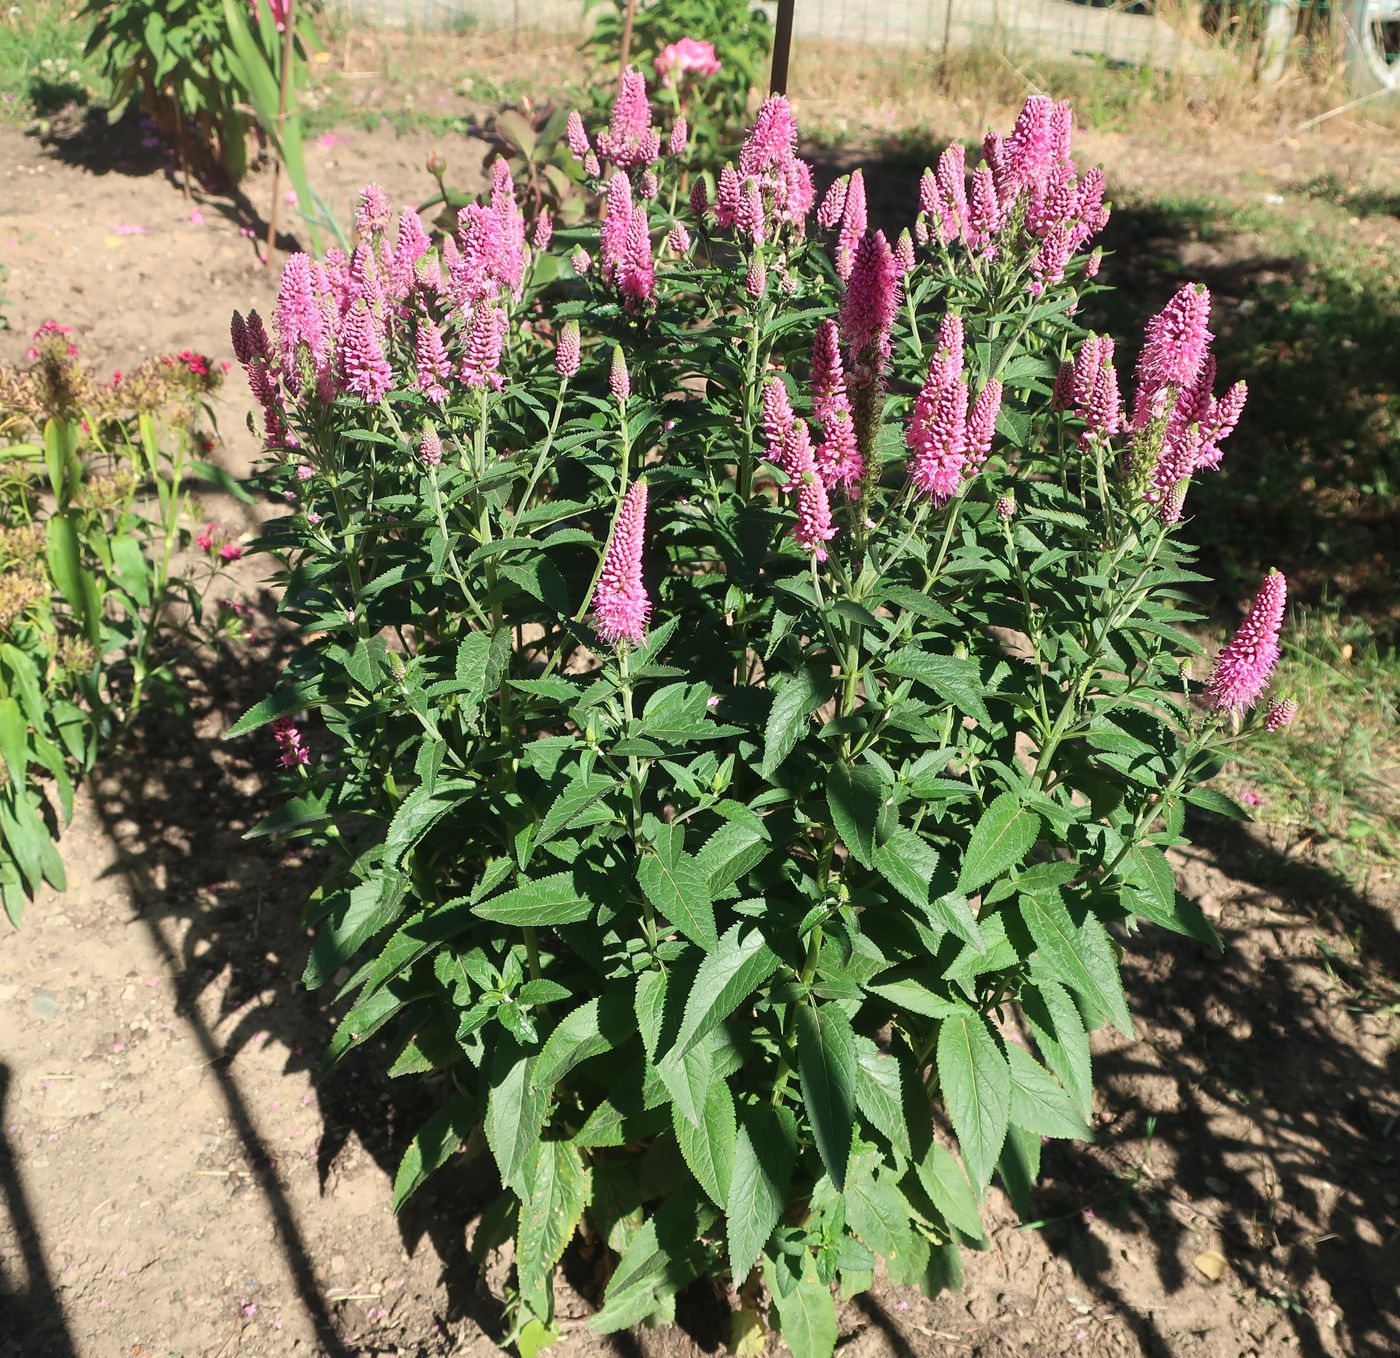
column 132, row 146
column 222, row 910
column 1259, row 1113
column 31, row 1306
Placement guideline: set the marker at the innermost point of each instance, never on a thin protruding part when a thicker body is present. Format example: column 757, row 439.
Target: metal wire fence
column 1258, row 39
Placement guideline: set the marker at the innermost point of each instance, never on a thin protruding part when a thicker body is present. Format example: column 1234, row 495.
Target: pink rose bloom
column 689, row 56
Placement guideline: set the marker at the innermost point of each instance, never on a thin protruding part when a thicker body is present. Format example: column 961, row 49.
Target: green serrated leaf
column 1080, row 956
column 1003, row 836
column 826, row 1066
column 976, row 1083
column 764, row 1157
column 793, row 705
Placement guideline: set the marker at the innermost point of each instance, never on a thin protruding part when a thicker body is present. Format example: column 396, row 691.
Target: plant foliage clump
column 748, row 700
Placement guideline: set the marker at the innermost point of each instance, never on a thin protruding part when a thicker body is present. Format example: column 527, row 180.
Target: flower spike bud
column 430, row 447
column 904, row 253
column 981, row 423
column 1242, row 669
column 577, row 137
column 756, row 280
column 679, row 139
column 568, row 351
column 699, row 200
column 619, row 379
column 1280, row 713
column 620, row 604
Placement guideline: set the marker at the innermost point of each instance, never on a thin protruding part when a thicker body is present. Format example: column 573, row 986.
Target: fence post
column 782, row 47
column 626, row 38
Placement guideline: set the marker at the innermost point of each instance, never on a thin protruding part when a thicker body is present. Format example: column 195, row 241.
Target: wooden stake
column 626, row 38
column 782, row 47
column 288, row 38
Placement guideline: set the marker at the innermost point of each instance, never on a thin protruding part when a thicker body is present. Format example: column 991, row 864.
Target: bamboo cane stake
column 288, row 37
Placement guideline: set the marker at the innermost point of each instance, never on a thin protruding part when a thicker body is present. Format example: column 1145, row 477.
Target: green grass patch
column 42, row 66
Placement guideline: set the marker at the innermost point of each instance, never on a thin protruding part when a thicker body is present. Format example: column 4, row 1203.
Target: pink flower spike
column 679, row 139
column 636, row 274
column 929, row 203
column 854, row 221
column 543, row 233
column 756, row 280
column 838, row 458
column 373, row 213
column 833, row 204
column 868, row 309
column 813, row 528
column 630, row 142
column 937, row 434
column 951, row 177
column 301, row 320
column 777, row 420
column 1218, row 424
column 620, row 604
column 577, row 137
column 904, row 253
column 430, row 447
column 1242, row 669
column 293, row 749
column 482, row 363
column 981, row 423
column 363, row 367
column 1281, row 712
column 1175, row 342
column 568, row 351
column 678, row 239
column 430, row 360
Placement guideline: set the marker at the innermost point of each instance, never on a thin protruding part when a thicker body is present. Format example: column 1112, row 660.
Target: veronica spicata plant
column 746, row 698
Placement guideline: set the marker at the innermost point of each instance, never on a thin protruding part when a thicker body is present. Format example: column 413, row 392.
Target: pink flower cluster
column 211, row 538
column 688, row 57
column 294, row 753
column 625, row 247
column 620, row 604
column 949, row 436
column 343, row 324
column 868, row 308
column 772, row 185
column 1242, row 669
column 1028, row 178
column 630, row 142
column 837, row 456
column 1175, row 419
column 50, row 336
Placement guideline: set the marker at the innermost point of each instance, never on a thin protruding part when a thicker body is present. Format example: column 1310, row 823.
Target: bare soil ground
column 174, row 1182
